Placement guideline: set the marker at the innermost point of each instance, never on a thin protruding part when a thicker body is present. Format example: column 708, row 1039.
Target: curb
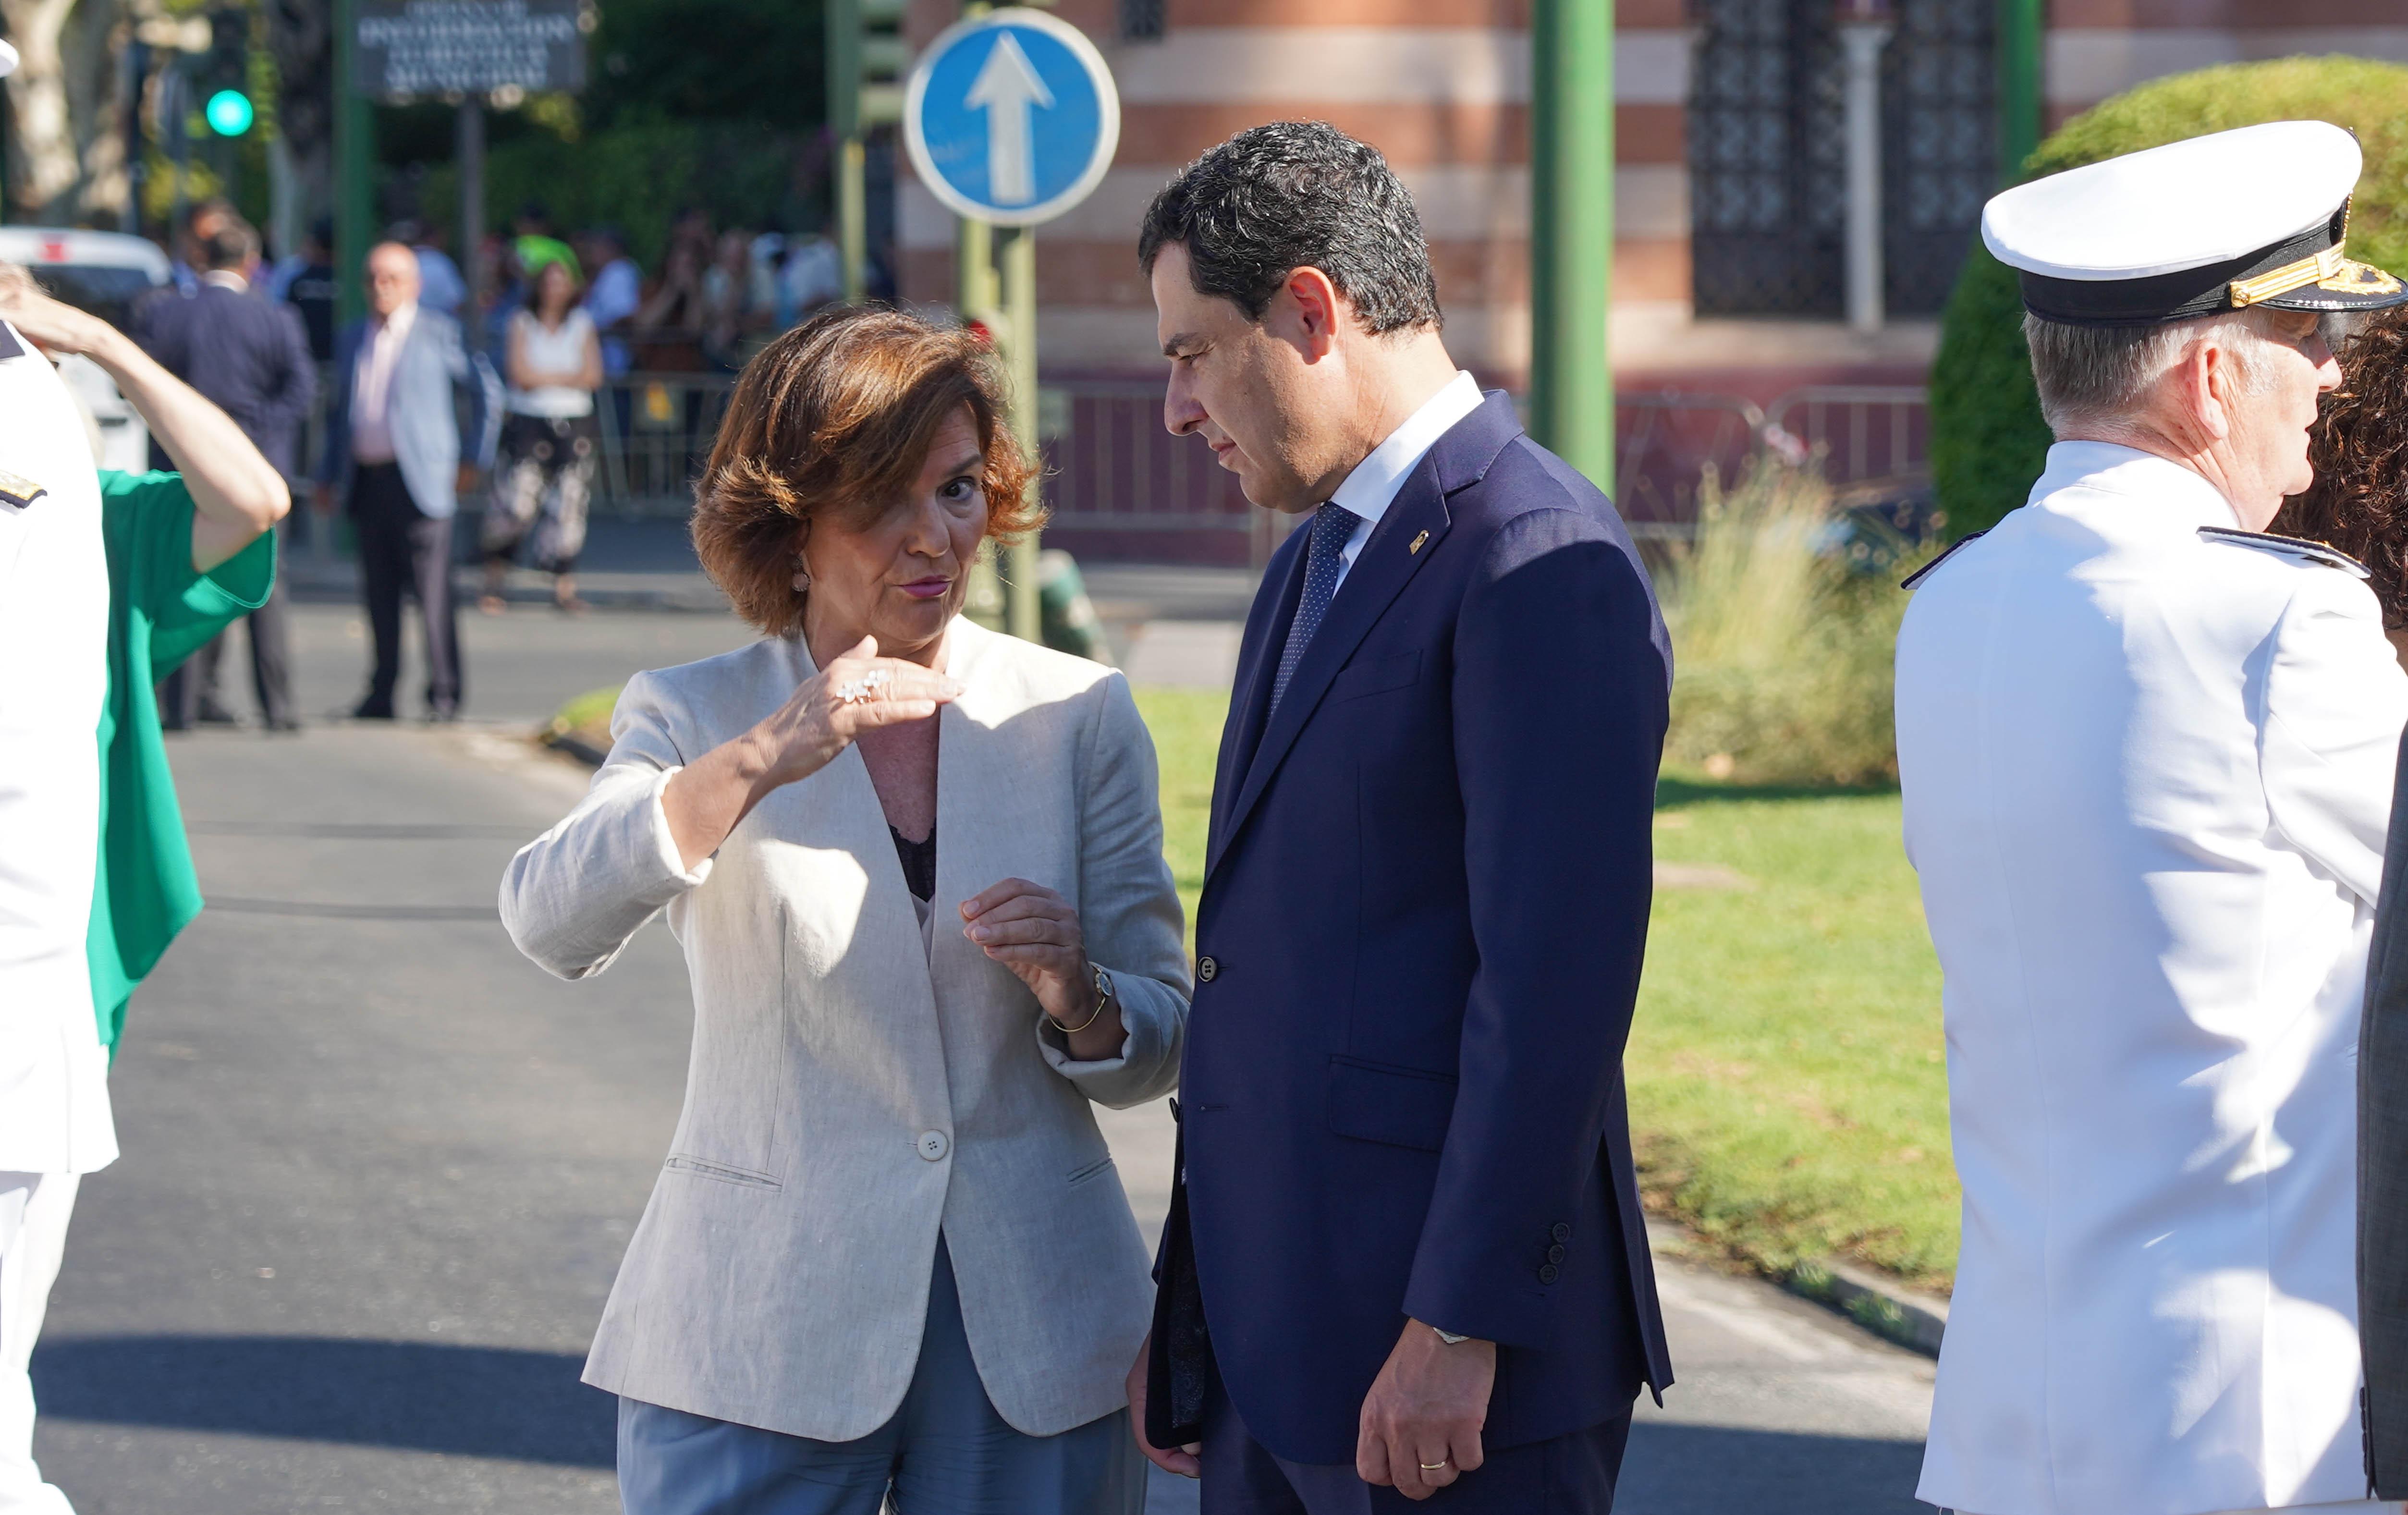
column 561, row 739
column 1913, row 1320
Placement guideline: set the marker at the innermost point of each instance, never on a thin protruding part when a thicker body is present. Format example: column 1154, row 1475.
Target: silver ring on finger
column 863, row 689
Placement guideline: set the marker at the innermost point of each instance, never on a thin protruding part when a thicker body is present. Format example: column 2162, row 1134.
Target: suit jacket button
column 1206, row 969
column 1555, row 1253
column 932, row 1146
column 1548, row 1273
column 1563, row 1231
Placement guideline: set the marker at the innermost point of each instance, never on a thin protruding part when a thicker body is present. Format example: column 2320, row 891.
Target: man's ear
column 1317, row 310
column 2204, row 382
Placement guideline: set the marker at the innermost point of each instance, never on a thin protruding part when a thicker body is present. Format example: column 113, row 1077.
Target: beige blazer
column 854, row 1087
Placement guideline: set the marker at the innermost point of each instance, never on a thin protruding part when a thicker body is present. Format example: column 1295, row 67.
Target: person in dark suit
column 410, row 406
column 1405, row 1258
column 251, row 357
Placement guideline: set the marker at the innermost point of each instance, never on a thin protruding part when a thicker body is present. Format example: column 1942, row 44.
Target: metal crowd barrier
column 1120, row 485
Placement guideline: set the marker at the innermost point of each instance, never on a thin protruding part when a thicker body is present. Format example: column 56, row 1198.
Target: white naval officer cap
column 2251, row 217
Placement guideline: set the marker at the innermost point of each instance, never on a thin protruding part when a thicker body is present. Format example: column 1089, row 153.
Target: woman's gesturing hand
column 1034, row 932
column 856, row 693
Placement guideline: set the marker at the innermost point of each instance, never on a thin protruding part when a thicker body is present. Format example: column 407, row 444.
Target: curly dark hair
column 2358, row 448
column 837, row 415
column 1295, row 195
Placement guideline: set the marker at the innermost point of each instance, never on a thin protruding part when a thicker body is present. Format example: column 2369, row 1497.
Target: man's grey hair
column 2089, row 376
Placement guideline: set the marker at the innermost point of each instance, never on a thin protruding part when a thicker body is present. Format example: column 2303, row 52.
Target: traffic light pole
column 1572, row 232
column 2019, row 85
column 354, row 172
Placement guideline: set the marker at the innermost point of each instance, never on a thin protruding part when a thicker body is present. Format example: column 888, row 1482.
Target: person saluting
column 2146, row 754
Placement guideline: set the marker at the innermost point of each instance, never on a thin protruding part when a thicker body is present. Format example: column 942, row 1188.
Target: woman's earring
column 802, row 580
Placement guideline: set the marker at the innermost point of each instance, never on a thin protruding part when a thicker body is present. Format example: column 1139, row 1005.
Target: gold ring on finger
column 1432, row 1467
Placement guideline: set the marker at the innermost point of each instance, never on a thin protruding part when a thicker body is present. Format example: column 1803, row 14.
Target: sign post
column 464, row 51
column 1010, row 119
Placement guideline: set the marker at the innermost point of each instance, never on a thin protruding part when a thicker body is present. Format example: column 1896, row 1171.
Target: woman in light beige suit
column 916, row 867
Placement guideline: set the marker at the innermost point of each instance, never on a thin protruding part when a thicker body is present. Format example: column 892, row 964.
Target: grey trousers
column 945, row 1452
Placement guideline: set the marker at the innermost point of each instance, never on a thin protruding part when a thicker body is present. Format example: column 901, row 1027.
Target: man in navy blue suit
column 1405, row 1259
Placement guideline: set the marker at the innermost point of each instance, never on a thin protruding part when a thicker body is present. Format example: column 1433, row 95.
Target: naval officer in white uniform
column 2147, row 753
column 54, row 1116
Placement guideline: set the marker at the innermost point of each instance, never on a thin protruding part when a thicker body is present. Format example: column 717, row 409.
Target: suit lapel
column 1387, row 564
column 1252, row 689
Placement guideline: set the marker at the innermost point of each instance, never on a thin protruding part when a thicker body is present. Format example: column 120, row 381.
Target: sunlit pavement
column 379, row 1170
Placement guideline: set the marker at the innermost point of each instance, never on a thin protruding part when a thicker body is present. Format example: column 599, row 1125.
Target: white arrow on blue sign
column 1012, row 117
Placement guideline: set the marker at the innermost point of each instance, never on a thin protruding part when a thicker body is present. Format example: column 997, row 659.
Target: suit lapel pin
column 1416, row 545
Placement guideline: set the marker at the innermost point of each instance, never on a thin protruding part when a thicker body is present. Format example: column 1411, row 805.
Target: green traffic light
column 228, row 112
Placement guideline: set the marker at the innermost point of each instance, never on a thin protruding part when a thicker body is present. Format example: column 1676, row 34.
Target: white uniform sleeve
column 574, row 896
column 2334, row 699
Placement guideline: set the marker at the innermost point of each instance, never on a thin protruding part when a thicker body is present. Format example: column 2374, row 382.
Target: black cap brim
column 2354, row 286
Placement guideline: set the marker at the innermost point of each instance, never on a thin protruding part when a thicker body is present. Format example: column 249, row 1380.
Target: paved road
column 378, row 1170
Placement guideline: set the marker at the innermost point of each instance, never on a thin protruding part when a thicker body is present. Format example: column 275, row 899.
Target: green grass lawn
column 1786, row 1088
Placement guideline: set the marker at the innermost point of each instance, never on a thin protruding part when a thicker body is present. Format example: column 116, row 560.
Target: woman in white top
column 549, row 443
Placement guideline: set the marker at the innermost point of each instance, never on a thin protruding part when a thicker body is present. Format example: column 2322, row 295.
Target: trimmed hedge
column 1988, row 442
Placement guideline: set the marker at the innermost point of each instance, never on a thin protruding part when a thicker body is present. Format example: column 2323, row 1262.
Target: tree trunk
column 42, row 164
column 301, row 37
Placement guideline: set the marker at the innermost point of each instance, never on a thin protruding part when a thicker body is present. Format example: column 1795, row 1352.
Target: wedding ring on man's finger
column 1432, row 1467
column 859, row 690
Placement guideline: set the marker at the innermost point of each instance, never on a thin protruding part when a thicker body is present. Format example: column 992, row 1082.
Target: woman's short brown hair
column 836, row 418
column 2358, row 448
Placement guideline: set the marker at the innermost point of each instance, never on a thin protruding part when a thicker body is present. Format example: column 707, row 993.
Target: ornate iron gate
column 1768, row 163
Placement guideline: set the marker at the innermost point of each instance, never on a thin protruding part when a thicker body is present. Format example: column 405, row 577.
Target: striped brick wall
column 1442, row 87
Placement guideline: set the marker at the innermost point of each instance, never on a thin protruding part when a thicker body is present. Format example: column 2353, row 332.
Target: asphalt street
column 379, row 1170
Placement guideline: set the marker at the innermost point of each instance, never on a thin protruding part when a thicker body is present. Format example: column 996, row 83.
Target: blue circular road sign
column 1012, row 117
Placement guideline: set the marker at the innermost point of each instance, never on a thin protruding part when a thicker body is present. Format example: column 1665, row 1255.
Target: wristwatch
column 1450, row 1337
column 1103, row 1003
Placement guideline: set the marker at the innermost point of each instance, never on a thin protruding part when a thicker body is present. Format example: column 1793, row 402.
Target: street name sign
column 468, row 47
column 1011, row 118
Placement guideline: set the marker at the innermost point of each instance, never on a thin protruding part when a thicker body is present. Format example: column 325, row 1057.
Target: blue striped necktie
column 1332, row 524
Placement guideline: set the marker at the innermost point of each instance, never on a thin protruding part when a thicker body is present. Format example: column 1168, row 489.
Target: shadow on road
column 414, row 1396
column 1677, row 1469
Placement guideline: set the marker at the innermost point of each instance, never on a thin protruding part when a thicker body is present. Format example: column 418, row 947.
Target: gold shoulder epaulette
column 1925, row 572
column 2289, row 547
column 19, row 491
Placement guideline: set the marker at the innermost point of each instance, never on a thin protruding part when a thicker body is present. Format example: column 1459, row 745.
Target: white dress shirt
column 2147, row 778
column 1371, row 487
column 372, row 385
column 54, row 1115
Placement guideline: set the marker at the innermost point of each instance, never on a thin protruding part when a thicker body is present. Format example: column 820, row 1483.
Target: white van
column 105, row 273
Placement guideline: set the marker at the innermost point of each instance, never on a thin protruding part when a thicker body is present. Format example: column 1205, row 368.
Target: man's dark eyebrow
column 1171, row 348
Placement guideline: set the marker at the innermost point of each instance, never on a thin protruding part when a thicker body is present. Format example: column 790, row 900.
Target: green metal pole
column 354, row 173
column 1572, row 232
column 1016, row 253
column 2020, row 27
column 843, row 46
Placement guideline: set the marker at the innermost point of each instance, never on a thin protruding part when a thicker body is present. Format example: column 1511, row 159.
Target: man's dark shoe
column 372, row 711
column 284, row 726
column 213, row 714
